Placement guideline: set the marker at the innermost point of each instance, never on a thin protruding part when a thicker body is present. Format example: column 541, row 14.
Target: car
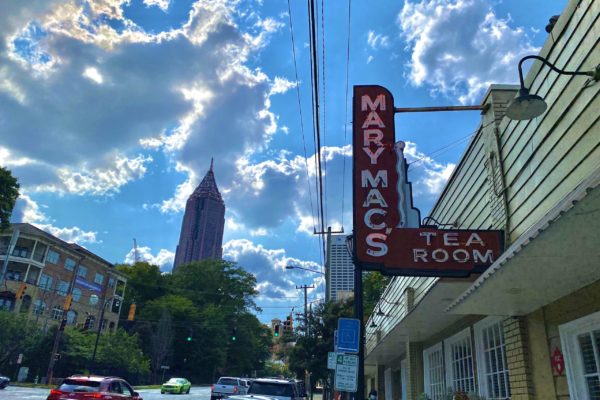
column 227, row 386
column 176, row 385
column 273, row 389
column 85, row 387
column 4, row 381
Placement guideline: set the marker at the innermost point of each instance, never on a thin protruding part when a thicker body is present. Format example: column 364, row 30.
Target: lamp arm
column 552, row 67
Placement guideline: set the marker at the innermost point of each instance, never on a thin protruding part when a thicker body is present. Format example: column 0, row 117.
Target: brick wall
column 414, row 357
column 517, row 358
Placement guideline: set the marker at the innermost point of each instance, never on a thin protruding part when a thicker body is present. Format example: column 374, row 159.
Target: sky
column 110, row 111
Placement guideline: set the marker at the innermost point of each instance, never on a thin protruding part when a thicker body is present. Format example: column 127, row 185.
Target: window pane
column 496, row 372
column 587, row 353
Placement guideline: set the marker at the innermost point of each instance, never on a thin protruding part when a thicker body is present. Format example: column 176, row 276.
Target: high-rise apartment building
column 340, row 275
column 201, row 235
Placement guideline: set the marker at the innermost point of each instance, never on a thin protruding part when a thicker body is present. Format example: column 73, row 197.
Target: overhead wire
column 323, row 102
column 346, row 122
column 312, row 211
column 316, row 119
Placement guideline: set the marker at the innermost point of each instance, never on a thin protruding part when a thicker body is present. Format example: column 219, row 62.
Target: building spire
column 211, row 163
column 208, row 186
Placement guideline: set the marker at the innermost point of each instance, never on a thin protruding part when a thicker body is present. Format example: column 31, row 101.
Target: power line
column 346, row 122
column 312, row 211
column 324, row 108
column 316, row 113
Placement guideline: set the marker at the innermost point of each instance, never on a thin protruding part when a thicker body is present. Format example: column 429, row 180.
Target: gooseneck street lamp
column 528, row 106
column 304, row 269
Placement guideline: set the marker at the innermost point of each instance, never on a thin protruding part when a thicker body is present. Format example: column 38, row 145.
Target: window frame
column 569, row 333
column 82, row 271
column 96, row 275
column 71, row 264
column 448, row 358
column 426, row 368
column 480, row 355
column 49, row 256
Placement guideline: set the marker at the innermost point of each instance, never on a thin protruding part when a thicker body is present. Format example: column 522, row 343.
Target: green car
column 176, row 385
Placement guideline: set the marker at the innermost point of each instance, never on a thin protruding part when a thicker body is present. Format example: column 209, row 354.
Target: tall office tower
column 203, row 222
column 340, row 275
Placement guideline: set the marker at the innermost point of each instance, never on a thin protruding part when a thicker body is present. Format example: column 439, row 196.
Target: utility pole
column 305, row 288
column 100, row 323
column 54, row 355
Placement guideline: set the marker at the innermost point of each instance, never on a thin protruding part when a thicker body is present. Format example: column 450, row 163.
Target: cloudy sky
column 110, row 111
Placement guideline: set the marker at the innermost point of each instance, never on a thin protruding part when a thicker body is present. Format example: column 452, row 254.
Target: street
column 20, row 393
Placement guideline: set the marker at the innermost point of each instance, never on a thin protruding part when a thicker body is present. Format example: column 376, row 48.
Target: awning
column 555, row 257
column 426, row 319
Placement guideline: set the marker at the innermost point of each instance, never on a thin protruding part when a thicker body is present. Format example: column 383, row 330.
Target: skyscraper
column 341, row 269
column 203, row 222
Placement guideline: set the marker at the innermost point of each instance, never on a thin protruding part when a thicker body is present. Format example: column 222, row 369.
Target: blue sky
column 110, row 111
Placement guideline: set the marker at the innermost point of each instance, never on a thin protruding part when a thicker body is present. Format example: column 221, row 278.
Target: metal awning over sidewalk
column 555, row 257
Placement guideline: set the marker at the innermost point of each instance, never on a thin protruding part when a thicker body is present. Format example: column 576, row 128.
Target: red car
column 83, row 387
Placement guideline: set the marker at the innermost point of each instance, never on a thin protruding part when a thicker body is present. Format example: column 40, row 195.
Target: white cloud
column 428, row 176
column 459, row 47
column 93, row 74
column 27, row 210
column 164, row 258
column 377, row 40
column 100, row 181
column 162, row 4
column 268, row 265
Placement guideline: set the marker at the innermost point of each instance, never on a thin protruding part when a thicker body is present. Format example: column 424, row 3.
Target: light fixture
column 528, row 106
column 373, row 324
column 380, row 313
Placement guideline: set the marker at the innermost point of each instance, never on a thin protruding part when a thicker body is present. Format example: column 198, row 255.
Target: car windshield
column 271, row 389
column 227, row 381
column 75, row 385
column 176, row 380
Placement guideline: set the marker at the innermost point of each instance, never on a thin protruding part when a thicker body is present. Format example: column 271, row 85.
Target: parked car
column 176, row 385
column 4, row 381
column 227, row 386
column 270, row 389
column 84, row 387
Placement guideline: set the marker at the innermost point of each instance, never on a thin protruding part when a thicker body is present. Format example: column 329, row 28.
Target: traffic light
column 131, row 314
column 68, row 302
column 116, row 306
column 277, row 328
column 21, row 292
column 234, row 335
column 189, row 338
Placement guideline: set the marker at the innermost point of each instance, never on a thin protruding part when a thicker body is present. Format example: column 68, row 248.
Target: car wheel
column 162, row 392
column 188, row 391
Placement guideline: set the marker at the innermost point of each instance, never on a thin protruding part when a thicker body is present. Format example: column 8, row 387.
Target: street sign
column 20, row 358
column 331, row 360
column 346, row 373
column 348, row 335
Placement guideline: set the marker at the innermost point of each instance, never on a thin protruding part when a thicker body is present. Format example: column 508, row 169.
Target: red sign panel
column 387, row 232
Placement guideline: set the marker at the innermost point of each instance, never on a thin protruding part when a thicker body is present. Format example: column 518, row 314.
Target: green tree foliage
column 9, row 191
column 310, row 352
column 211, row 302
column 374, row 284
column 17, row 335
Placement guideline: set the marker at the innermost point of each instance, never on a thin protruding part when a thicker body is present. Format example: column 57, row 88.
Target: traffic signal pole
column 305, row 288
column 54, row 354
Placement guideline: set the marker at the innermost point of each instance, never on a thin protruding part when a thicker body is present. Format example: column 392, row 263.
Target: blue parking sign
column 348, row 337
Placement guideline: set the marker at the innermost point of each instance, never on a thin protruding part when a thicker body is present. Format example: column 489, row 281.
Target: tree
column 374, row 284
column 162, row 343
column 9, row 191
column 310, row 352
column 17, row 335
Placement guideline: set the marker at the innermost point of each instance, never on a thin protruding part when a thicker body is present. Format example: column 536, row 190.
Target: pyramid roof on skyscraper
column 208, row 186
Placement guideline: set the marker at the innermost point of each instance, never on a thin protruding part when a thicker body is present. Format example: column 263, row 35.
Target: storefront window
column 433, row 363
column 459, row 362
column 491, row 359
column 580, row 340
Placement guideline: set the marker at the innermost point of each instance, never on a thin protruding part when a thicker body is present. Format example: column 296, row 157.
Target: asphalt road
column 19, row 393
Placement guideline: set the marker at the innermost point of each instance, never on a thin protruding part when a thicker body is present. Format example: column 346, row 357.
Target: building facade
column 528, row 327
column 201, row 234
column 340, row 269
column 48, row 269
